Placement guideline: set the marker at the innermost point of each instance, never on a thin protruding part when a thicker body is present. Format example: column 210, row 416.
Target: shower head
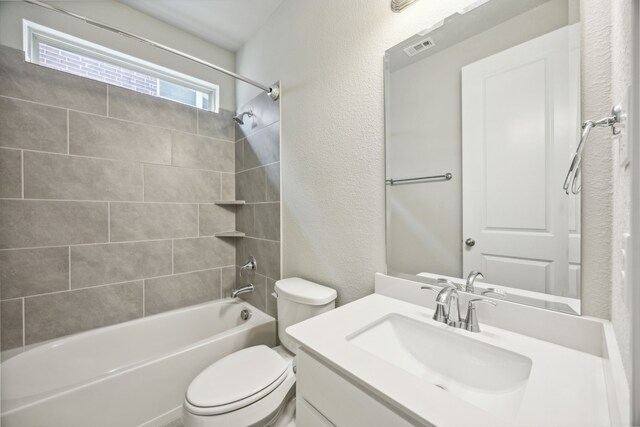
column 239, row 118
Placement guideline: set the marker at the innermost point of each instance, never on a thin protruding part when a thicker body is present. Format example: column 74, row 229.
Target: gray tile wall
column 258, row 183
column 107, row 207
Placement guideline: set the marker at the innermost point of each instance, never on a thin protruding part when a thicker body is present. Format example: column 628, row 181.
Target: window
column 53, row 49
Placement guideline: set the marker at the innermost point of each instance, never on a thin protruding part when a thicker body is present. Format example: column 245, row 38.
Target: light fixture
column 398, row 6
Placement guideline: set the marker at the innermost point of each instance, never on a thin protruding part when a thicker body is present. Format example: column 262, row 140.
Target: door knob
column 470, row 242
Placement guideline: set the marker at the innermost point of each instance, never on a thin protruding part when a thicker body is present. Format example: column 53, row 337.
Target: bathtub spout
column 242, row 290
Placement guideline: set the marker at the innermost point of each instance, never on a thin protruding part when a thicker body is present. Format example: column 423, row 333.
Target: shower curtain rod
column 273, row 91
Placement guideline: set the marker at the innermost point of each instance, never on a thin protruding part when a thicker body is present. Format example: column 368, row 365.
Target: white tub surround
column 553, row 369
column 130, row 374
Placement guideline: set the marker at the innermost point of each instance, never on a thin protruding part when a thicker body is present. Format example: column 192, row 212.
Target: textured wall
column 621, row 73
column 597, row 173
column 328, row 55
column 114, row 13
column 107, row 207
column 258, row 184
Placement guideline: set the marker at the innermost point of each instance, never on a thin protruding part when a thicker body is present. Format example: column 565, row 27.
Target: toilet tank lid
column 304, row 292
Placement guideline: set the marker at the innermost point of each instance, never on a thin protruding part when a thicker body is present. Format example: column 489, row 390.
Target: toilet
column 256, row 385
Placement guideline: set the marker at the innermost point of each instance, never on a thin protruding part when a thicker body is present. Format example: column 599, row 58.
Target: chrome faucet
column 448, row 306
column 243, row 290
column 449, row 300
column 471, row 279
column 250, row 267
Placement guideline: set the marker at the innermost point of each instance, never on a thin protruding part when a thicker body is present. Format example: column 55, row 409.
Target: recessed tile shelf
column 230, row 234
column 230, row 202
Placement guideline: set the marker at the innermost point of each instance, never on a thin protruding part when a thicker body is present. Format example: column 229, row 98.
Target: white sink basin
column 486, row 376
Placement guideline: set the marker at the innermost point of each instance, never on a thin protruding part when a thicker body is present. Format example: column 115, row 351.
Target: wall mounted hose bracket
column 615, row 121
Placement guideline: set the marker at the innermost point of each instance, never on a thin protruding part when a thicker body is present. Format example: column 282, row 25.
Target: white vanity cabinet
column 326, row 398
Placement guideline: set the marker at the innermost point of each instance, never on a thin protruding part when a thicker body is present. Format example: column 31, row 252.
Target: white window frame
column 34, row 34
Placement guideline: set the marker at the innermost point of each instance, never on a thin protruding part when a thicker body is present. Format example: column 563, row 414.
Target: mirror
column 482, row 117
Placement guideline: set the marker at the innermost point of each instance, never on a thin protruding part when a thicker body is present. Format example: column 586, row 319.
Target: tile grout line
column 122, row 242
column 113, row 118
column 105, row 159
column 84, row 288
column 148, row 202
column 257, row 167
column 34, row 199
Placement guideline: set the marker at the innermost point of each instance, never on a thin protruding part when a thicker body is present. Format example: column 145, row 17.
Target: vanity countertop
column 565, row 386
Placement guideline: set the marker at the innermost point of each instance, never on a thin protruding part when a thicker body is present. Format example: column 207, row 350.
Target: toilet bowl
column 255, row 386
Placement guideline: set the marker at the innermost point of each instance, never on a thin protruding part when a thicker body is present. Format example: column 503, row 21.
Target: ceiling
column 225, row 23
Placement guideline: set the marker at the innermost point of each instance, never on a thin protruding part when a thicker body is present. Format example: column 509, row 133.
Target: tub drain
column 245, row 314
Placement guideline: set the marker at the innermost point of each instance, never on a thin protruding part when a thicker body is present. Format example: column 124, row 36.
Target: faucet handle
column 449, row 283
column 496, row 291
column 250, row 266
column 471, row 322
column 486, row 301
column 441, row 314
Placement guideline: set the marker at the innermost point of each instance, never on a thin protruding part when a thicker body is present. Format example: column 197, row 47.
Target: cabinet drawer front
column 338, row 400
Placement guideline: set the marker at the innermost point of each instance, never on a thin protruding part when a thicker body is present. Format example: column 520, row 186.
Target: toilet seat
column 237, row 381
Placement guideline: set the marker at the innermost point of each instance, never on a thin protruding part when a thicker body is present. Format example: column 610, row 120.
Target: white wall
column 425, row 126
column 597, row 182
column 119, row 15
column 621, row 73
column 328, row 55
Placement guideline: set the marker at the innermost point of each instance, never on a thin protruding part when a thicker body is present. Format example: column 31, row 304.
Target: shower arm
column 272, row 91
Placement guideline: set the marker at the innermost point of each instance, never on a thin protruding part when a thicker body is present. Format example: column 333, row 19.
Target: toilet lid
column 238, row 379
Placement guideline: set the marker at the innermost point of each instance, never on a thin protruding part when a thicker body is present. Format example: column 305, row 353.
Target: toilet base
column 288, row 416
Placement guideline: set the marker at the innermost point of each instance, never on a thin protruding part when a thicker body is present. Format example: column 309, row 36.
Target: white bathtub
column 130, row 374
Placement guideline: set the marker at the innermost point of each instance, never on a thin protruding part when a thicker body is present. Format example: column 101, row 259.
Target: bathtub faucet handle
column 250, row 266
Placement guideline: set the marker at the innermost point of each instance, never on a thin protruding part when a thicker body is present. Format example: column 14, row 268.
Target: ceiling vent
column 419, row 47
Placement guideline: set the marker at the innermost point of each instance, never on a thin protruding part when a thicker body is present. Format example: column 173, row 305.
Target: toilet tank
column 298, row 300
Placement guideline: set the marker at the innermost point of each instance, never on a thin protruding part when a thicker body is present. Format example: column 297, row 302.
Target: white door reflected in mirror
column 516, row 105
